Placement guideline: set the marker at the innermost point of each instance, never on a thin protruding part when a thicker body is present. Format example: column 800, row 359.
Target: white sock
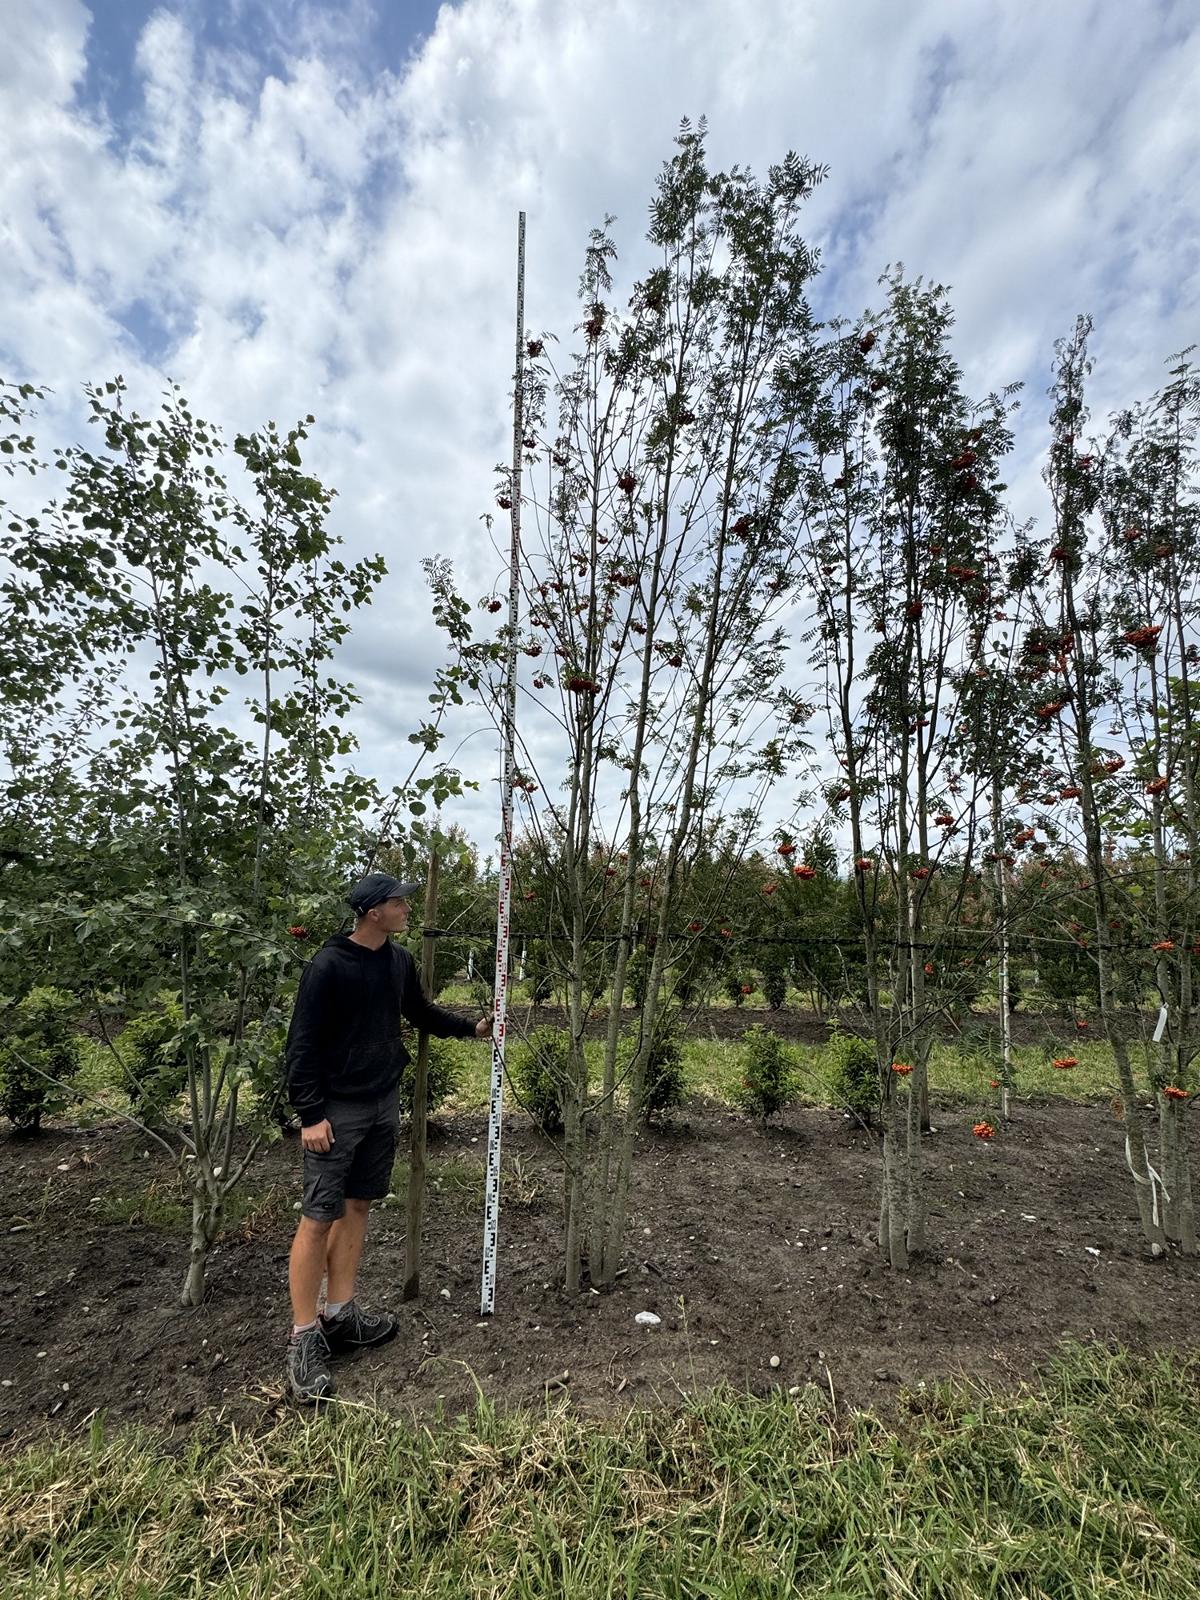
column 332, row 1307
column 302, row 1327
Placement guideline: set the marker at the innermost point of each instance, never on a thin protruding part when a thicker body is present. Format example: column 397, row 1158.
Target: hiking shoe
column 308, row 1372
column 355, row 1329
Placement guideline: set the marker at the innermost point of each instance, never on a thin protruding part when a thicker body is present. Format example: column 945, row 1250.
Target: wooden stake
column 416, row 1155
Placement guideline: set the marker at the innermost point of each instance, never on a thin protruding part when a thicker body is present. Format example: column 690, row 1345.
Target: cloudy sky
column 310, row 205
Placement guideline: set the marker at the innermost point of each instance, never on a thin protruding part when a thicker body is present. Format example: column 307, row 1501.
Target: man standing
column 344, row 1060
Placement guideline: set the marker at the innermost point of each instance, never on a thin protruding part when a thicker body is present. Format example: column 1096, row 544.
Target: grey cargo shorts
column 358, row 1165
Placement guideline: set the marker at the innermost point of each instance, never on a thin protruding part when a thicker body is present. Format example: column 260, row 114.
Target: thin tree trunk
column 1006, row 1070
column 1146, row 1188
column 895, row 1187
column 1168, row 1160
column 573, row 1145
column 602, row 1254
column 420, row 1101
column 915, row 1215
column 207, row 1210
column 1183, row 1180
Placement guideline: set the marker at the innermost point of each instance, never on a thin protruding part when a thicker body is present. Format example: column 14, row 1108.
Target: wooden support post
column 416, row 1155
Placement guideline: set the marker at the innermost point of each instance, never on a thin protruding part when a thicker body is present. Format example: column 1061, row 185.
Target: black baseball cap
column 377, row 887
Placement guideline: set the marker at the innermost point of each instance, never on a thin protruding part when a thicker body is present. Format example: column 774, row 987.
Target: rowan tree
column 903, row 477
column 659, row 495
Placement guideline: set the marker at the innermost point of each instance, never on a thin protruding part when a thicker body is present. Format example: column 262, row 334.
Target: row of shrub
column 770, row 1079
column 40, row 1058
column 41, row 1055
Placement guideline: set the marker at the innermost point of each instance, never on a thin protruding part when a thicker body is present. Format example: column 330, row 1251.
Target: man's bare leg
column 344, row 1252
column 306, row 1268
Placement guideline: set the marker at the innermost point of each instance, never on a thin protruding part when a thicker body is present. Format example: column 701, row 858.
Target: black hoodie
column 344, row 1041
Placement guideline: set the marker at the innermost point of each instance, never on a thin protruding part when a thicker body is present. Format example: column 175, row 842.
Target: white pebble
column 647, row 1319
column 774, row 1361
column 444, row 1294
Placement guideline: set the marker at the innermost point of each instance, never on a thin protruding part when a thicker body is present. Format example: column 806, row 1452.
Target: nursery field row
column 714, row 1067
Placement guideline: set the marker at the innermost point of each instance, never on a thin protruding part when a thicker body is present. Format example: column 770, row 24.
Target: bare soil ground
column 748, row 1242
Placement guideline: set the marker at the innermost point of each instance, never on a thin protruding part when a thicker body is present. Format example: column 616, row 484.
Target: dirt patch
column 748, row 1243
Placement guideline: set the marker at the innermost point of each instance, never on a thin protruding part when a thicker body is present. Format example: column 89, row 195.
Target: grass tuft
column 1080, row 1488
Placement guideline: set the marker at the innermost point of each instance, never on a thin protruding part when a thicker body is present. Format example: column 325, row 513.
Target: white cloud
column 325, row 233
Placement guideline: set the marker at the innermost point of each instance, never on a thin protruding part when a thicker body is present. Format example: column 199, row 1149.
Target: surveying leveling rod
column 491, row 1195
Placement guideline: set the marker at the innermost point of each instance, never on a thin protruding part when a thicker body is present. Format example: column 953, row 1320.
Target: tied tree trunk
column 1184, row 1214
column 1006, row 1062
column 1078, row 628
column 1151, row 481
column 1146, row 1186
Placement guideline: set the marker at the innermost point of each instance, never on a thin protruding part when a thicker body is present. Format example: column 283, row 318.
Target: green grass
column 1082, row 1488
column 164, row 1202
column 959, row 1071
column 966, row 1071
column 457, row 1178
column 713, row 1068
column 98, row 1082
